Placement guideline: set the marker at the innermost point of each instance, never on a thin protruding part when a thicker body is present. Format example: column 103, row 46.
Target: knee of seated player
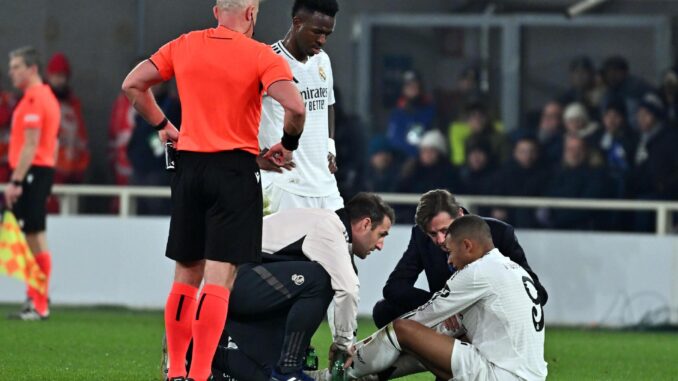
column 405, row 331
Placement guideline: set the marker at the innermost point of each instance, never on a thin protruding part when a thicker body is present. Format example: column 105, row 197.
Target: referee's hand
column 269, row 165
column 168, row 133
column 279, row 155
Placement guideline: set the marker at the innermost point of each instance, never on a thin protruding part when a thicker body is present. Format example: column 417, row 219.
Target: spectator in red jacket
column 73, row 156
column 7, row 104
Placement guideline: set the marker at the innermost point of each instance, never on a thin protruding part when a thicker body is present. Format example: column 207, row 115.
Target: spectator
column 7, row 103
column 550, row 133
column 351, row 143
column 524, row 176
column 384, row 166
column 622, row 85
column 467, row 90
column 655, row 172
column 120, row 127
column 577, row 122
column 478, row 125
column 412, row 117
column 431, row 170
column 74, row 155
column 477, row 174
column 575, row 177
column 617, row 143
column 583, row 88
column 147, row 153
column 669, row 95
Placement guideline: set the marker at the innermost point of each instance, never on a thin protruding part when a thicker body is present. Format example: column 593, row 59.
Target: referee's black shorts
column 217, row 208
column 31, row 207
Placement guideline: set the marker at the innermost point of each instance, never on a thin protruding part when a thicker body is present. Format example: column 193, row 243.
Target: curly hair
column 326, row 7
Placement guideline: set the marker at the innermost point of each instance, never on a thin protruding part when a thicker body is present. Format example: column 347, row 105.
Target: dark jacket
column 515, row 180
column 656, row 177
column 423, row 254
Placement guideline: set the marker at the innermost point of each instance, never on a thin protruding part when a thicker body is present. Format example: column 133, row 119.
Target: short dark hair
column 470, row 226
column 326, row 7
column 369, row 205
column 432, row 203
column 29, row 54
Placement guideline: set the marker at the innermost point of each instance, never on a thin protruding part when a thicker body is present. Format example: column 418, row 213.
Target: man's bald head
column 232, row 5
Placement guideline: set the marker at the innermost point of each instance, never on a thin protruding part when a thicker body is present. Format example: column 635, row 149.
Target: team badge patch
column 321, row 71
column 298, row 279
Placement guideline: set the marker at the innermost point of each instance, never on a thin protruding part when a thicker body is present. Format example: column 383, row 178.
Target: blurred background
column 503, row 102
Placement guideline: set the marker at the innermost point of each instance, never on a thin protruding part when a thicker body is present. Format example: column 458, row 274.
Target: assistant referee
column 216, row 221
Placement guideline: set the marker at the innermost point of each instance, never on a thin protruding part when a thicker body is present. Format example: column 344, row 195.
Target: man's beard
column 61, row 92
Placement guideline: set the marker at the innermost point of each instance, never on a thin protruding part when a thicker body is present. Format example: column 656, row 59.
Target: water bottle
column 338, row 372
column 311, row 359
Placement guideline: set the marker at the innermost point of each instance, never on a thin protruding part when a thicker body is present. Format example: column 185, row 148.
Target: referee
column 216, row 221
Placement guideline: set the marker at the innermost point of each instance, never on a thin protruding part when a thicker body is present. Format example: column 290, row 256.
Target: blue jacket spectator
column 413, row 116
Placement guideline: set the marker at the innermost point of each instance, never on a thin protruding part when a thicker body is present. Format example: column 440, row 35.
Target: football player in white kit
column 311, row 184
column 501, row 336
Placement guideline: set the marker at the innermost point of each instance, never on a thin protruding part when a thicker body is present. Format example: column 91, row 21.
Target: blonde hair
column 231, row 5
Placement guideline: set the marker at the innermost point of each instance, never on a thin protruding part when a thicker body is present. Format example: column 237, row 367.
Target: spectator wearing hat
column 73, row 154
column 384, row 166
column 621, row 84
column 431, row 170
column 578, row 122
column 655, row 172
column 413, row 116
column 583, row 87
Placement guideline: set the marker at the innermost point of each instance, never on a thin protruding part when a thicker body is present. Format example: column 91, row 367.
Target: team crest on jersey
column 321, row 71
column 298, row 279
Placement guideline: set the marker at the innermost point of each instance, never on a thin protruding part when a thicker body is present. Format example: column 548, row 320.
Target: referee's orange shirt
column 221, row 77
column 37, row 109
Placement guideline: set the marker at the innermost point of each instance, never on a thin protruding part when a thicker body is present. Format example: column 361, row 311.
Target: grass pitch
column 117, row 344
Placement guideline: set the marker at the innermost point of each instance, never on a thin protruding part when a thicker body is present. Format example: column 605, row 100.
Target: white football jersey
column 498, row 303
column 311, row 177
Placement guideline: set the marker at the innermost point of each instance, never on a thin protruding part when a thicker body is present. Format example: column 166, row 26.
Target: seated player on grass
column 276, row 306
column 496, row 303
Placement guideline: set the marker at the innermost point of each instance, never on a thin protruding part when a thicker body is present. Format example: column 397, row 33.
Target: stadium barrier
column 593, row 278
column 69, row 196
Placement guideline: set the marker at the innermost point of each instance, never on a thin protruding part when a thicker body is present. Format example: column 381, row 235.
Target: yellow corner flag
column 16, row 259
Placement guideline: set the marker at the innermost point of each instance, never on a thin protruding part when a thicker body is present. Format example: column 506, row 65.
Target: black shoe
column 28, row 313
column 176, row 379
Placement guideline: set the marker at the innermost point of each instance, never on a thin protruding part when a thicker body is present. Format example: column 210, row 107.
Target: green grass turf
column 118, row 344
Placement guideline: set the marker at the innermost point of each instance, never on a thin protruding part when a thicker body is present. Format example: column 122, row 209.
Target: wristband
column 331, row 147
column 161, row 125
column 290, row 142
column 18, row 183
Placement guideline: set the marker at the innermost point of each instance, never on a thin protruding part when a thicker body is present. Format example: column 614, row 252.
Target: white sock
column 375, row 353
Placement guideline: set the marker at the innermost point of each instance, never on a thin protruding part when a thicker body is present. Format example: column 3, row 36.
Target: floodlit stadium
column 293, row 190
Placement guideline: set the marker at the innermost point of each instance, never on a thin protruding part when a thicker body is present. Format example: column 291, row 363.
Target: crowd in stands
column 609, row 135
